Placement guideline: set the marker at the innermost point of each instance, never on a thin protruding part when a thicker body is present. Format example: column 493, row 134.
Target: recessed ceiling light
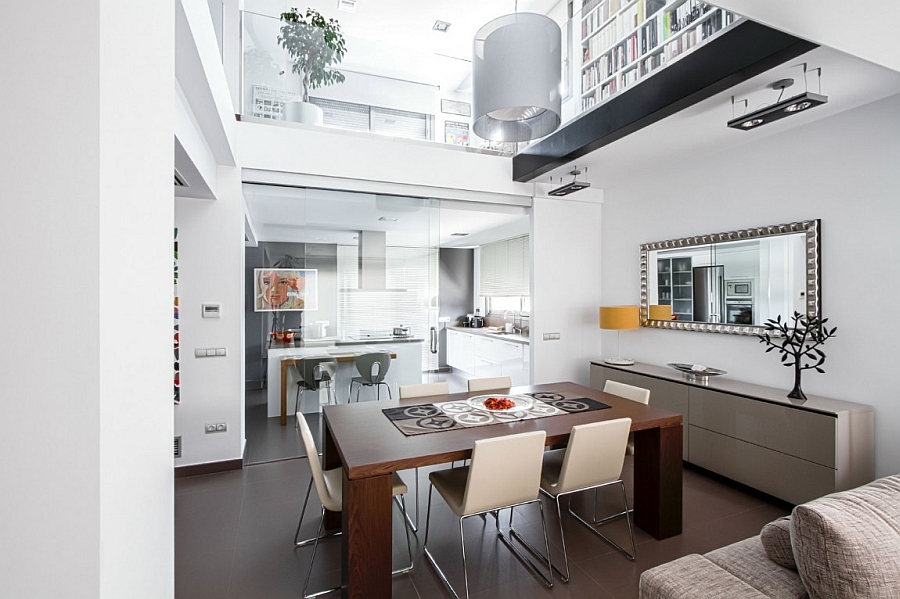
column 390, row 219
column 441, row 26
column 458, row 234
column 347, row 5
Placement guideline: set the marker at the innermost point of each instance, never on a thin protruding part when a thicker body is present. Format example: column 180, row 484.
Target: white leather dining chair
column 329, row 485
column 505, row 472
column 593, row 459
column 490, row 383
column 412, row 392
column 424, row 390
column 638, row 394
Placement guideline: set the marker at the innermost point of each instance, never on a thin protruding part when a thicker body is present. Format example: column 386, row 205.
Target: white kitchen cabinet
column 487, row 357
column 461, row 351
column 480, row 355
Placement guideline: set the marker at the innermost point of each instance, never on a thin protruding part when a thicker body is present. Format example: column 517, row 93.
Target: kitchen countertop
column 511, row 337
column 388, row 339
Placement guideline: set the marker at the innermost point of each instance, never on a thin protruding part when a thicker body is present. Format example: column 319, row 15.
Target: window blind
column 505, row 267
column 385, row 121
column 343, row 115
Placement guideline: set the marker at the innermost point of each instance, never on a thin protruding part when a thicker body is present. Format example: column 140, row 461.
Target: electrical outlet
column 210, row 428
column 221, row 427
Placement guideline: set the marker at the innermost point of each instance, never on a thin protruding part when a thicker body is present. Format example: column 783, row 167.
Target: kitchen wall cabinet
column 795, row 451
column 480, row 355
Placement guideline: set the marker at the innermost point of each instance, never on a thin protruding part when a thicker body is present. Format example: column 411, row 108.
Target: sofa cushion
column 748, row 561
column 776, row 540
column 696, row 577
column 847, row 544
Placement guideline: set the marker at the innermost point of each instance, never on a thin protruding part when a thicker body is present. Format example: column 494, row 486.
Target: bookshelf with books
column 625, row 40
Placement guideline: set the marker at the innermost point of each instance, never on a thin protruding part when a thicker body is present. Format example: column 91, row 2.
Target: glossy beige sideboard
column 793, row 450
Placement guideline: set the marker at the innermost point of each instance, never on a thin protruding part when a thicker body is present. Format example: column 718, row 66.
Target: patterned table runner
column 453, row 415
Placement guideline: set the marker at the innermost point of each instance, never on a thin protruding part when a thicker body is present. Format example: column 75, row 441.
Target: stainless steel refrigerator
column 709, row 293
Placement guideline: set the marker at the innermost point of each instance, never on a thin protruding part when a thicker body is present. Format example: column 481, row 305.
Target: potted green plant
column 314, row 44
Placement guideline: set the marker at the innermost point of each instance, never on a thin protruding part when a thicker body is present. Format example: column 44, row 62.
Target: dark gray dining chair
column 372, row 367
column 314, row 373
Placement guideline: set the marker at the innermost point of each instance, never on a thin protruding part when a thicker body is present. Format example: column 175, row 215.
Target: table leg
column 284, row 369
column 366, row 551
column 658, row 481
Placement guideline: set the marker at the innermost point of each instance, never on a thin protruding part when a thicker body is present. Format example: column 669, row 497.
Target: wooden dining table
column 362, row 441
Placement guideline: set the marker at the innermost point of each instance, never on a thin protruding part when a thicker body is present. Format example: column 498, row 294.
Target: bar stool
column 313, row 373
column 372, row 368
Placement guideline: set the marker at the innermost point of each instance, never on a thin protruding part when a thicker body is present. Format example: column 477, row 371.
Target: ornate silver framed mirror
column 732, row 282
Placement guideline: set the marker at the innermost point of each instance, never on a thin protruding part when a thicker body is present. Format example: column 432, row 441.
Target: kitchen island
column 406, row 369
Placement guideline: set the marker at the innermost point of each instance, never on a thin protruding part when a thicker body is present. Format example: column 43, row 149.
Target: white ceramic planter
column 303, row 112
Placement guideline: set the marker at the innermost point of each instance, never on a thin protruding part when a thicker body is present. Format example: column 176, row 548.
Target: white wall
column 842, row 170
column 86, row 163
column 565, row 286
column 369, row 157
column 210, row 265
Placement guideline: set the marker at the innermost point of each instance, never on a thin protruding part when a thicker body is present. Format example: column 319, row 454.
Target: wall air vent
column 179, row 180
column 178, row 446
column 347, row 5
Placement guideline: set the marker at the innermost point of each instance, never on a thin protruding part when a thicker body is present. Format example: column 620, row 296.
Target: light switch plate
column 211, row 310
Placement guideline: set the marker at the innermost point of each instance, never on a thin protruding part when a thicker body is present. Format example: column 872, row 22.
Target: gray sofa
column 841, row 546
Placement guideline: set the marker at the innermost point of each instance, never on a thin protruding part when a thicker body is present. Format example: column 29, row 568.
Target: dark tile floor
column 233, row 539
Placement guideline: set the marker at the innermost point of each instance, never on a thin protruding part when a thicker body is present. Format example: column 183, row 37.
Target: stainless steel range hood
column 372, row 262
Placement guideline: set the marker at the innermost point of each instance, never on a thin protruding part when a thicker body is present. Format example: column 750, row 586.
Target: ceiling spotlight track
column 572, row 187
column 781, row 108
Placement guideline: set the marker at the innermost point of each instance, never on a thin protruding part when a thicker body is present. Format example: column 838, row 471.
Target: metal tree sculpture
column 799, row 341
column 315, row 44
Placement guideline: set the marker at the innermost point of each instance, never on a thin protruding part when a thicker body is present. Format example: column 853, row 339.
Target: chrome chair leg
column 430, row 557
column 625, row 513
column 298, row 543
column 405, row 569
column 312, row 560
column 544, row 558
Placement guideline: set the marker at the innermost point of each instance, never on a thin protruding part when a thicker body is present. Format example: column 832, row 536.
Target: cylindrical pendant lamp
column 516, row 68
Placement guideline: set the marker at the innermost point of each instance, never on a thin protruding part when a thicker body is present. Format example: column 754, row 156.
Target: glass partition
column 377, row 270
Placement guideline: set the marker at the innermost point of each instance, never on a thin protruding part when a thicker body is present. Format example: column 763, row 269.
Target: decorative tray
column 696, row 371
column 519, row 402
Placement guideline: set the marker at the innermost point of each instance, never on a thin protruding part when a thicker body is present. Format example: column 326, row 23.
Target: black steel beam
column 740, row 53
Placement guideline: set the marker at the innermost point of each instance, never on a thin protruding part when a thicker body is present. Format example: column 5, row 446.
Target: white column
column 86, row 164
column 565, row 287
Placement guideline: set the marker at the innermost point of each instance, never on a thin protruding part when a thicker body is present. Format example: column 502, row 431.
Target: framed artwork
column 176, row 335
column 286, row 289
column 456, row 107
column 456, row 133
column 268, row 102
